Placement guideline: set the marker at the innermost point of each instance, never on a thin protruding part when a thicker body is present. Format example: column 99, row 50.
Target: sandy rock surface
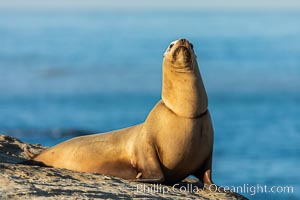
column 34, row 182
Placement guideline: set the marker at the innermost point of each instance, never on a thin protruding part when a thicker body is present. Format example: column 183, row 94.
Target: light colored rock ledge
column 34, row 182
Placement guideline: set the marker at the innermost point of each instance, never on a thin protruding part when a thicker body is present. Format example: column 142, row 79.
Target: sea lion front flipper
column 157, row 180
column 153, row 180
column 150, row 172
column 156, row 176
column 148, row 165
column 204, row 174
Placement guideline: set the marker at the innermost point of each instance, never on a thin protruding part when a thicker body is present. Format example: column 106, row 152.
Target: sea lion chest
column 182, row 144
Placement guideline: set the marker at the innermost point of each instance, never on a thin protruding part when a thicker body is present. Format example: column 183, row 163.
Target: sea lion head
column 183, row 90
column 180, row 55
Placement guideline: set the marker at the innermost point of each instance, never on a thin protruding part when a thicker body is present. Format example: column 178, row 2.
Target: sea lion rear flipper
column 29, row 153
column 33, row 162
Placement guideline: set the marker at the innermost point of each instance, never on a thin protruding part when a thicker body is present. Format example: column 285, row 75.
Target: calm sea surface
column 70, row 73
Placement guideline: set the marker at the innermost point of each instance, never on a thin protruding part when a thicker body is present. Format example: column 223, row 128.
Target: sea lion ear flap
column 192, row 46
column 165, row 52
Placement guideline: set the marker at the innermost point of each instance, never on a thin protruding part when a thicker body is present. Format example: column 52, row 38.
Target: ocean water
column 65, row 74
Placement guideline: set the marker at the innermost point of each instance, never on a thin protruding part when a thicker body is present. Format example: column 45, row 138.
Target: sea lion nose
column 182, row 40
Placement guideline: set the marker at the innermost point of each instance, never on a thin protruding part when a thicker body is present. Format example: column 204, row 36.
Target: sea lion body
column 185, row 145
column 175, row 141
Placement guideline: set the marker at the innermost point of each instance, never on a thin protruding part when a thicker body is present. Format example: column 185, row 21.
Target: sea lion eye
column 171, row 45
column 192, row 46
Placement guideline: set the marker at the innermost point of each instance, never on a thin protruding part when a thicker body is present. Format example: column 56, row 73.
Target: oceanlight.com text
column 253, row 189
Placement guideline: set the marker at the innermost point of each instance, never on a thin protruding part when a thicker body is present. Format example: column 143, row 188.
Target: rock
column 33, row 182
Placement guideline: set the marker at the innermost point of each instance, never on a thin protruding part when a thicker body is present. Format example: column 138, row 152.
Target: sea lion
column 175, row 141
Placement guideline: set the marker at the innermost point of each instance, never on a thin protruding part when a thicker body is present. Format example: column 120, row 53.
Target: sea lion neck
column 184, row 93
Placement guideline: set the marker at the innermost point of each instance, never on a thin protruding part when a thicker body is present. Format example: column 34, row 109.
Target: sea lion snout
column 186, row 43
column 181, row 53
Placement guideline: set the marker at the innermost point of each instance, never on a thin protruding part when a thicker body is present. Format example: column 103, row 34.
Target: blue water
column 64, row 74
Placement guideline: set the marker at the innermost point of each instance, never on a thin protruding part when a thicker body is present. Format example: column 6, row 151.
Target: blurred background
column 70, row 68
